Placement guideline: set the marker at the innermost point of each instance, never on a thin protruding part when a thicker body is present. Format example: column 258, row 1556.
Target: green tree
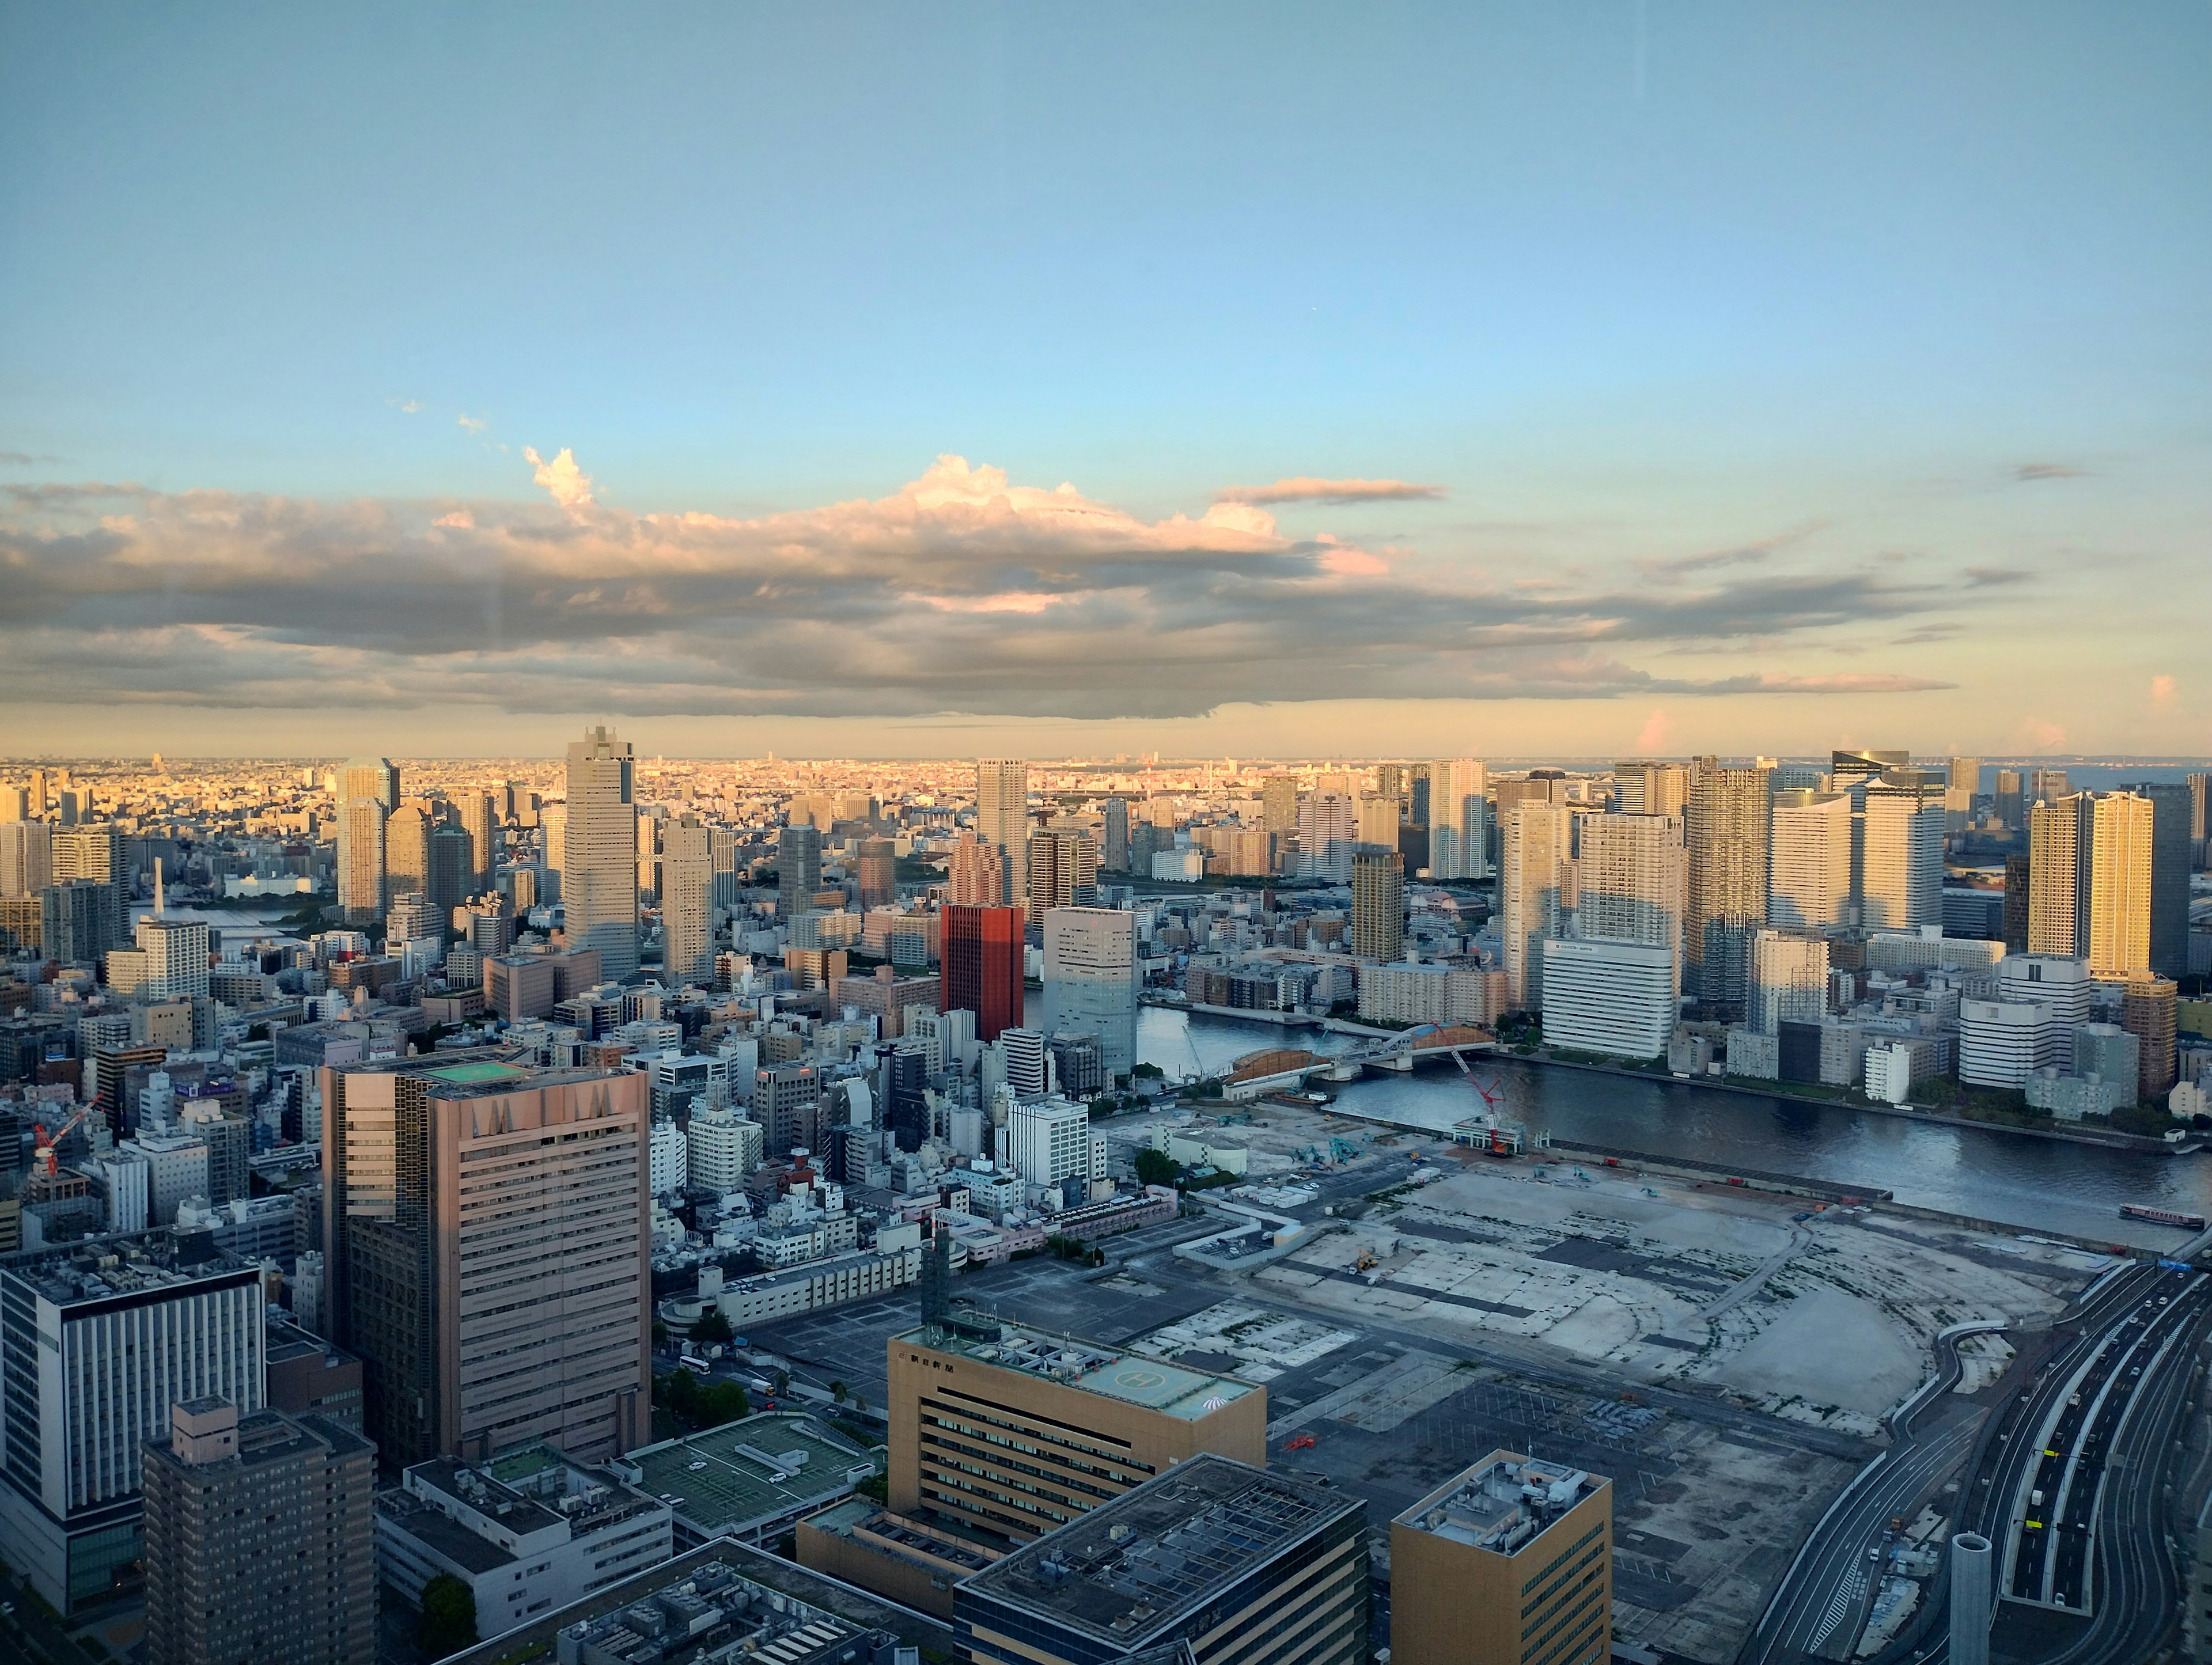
column 449, row 1617
column 1155, row 1167
column 712, row 1327
column 837, row 1392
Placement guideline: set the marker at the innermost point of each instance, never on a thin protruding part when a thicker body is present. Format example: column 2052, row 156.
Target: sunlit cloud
column 1304, row 488
column 2162, row 690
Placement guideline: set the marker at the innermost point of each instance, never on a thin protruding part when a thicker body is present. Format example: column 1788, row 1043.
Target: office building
column 526, row 1531
column 1279, row 804
column 1237, row 1565
column 1510, row 1562
column 1788, row 980
column 1378, row 904
column 687, row 910
column 1328, row 830
column 2119, row 888
column 1532, row 861
column 407, row 854
column 446, row 869
column 1091, row 979
column 1649, row 788
column 368, row 790
column 599, row 872
column 2149, row 1010
column 977, row 872
column 2007, row 801
column 517, row 1306
column 1725, row 829
column 2040, row 1000
column 878, row 873
column 980, row 966
column 77, row 921
column 26, row 858
column 1809, row 879
column 1617, row 998
column 2171, row 859
column 1962, row 784
column 94, row 1355
column 258, row 1544
column 1002, row 821
column 1900, row 865
column 786, row 1102
column 552, row 839
column 2060, row 850
column 1631, row 879
column 1378, row 819
column 2016, row 888
column 1048, row 1143
column 1023, row 1054
column 1012, row 1432
column 1063, row 869
column 93, row 852
column 721, row 1147
column 798, row 870
column 1114, row 841
column 479, row 818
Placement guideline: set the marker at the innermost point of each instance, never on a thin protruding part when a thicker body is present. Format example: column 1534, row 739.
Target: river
column 2032, row 1182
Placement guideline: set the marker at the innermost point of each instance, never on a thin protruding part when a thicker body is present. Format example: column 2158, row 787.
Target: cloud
column 475, row 424
column 568, row 485
column 1304, row 488
column 2162, row 690
column 2042, row 736
column 405, row 407
column 1986, row 578
column 961, row 591
column 27, row 459
column 2048, row 471
column 1658, row 729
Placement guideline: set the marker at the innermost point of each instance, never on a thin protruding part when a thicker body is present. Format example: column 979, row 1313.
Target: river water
column 2034, row 1183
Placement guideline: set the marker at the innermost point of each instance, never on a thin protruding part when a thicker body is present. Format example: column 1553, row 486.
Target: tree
column 1155, row 1167
column 712, row 1327
column 1150, row 1072
column 837, row 1392
column 449, row 1617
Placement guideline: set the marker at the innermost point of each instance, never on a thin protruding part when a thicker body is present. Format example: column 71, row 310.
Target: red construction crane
column 44, row 1143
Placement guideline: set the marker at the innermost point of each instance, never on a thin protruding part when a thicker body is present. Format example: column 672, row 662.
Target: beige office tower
column 1459, row 819
column 1533, row 861
column 1507, row 1563
column 1962, row 783
column 1649, row 788
column 26, row 858
column 1378, row 905
column 1002, row 820
column 1630, row 881
column 687, row 879
column 1726, row 826
column 407, row 852
column 552, row 837
column 1278, row 804
column 2059, row 833
column 2119, row 887
column 479, row 819
column 487, row 1243
column 1809, row 873
column 367, row 793
column 599, row 872
column 1379, row 815
column 1788, row 979
column 1901, row 851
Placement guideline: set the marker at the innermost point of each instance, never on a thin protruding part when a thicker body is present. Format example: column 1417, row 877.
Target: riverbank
column 2109, row 1141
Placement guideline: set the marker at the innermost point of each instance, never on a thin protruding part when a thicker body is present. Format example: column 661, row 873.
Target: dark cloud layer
column 960, row 592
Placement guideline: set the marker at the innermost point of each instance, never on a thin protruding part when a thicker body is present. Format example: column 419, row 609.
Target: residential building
column 1378, row 818
column 93, row 852
column 1631, row 879
column 1011, row 1432
column 1900, row 865
column 878, row 874
column 368, row 790
column 92, row 1357
column 2148, row 1011
column 477, row 816
column 1113, row 846
column 512, row 1308
column 1510, row 1562
column 978, row 872
column 598, row 872
column 257, row 1539
column 1048, row 1144
column 1279, row 804
column 1533, row 862
column 2121, row 839
column 798, row 870
column 1378, row 904
column 687, row 910
column 1808, row 880
column 26, row 858
column 2171, row 859
column 1237, row 1565
column 1329, row 828
column 1608, row 997
column 720, row 1148
column 1002, row 821
column 1063, row 869
column 2059, row 855
column 980, row 967
column 1788, row 980
column 1727, row 827
column 526, row 1531
column 1091, row 979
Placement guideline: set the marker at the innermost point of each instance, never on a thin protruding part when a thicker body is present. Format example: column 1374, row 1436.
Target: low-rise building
column 750, row 1479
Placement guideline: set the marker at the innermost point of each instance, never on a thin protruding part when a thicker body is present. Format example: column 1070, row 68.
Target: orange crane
column 45, row 1143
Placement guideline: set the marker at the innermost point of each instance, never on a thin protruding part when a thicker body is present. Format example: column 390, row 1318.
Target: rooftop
column 754, row 1469
column 479, row 1514
column 1503, row 1504
column 119, row 1266
column 1134, row 1568
column 1134, row 1378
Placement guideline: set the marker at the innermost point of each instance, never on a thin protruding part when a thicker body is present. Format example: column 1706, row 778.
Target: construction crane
column 45, row 1144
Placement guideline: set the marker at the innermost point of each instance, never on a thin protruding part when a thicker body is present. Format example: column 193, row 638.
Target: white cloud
column 568, row 484
column 475, row 424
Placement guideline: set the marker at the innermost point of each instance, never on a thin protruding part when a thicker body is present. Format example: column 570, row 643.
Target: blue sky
column 1628, row 283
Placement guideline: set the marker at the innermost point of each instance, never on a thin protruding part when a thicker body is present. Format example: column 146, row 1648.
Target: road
column 1823, row 1601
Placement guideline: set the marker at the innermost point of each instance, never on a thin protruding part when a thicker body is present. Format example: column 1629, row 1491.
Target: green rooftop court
column 477, row 1074
column 748, row 1479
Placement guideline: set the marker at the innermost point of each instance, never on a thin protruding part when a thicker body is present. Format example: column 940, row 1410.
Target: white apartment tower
column 1631, row 879
column 1533, row 859
column 1808, row 880
column 1901, row 861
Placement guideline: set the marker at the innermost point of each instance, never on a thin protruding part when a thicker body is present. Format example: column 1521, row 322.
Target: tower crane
column 45, row 1143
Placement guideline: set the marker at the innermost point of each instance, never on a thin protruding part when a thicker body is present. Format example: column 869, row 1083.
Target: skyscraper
column 450, row 871
column 2007, row 800
column 552, row 840
column 878, row 872
column 1380, row 816
column 1378, row 904
column 2060, row 845
column 1962, row 784
column 1329, row 828
column 1788, row 980
column 1533, row 860
column 1063, row 868
column 407, row 851
column 1002, row 819
column 599, row 878
column 513, row 1307
column 1650, row 788
column 367, row 793
column 1091, row 979
column 2200, row 817
column 1279, row 804
column 2170, row 861
column 797, row 871
column 1459, row 819
column 1727, row 827
column 260, row 1539
column 1809, row 879
column 1900, row 865
column 479, row 819
column 686, row 906
column 2122, row 829
column 981, row 959
column 1113, row 847
column 93, row 851
column 2150, row 1011
column 1631, row 880
column 26, row 858
column 978, row 871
